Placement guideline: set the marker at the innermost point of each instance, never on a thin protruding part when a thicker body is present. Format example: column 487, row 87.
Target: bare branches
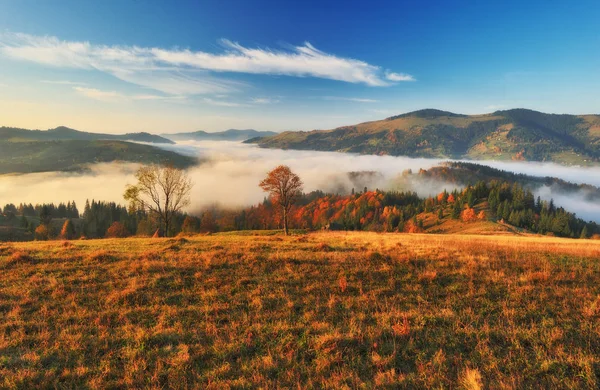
column 162, row 191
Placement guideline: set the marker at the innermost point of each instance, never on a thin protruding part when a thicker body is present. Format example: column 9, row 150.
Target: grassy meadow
column 319, row 310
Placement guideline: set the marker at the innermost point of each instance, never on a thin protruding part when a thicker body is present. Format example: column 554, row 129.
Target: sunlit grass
column 313, row 310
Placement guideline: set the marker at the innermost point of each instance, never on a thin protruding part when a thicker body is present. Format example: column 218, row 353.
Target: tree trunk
column 285, row 222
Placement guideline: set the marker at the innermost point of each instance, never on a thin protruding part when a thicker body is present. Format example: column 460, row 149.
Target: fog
column 229, row 174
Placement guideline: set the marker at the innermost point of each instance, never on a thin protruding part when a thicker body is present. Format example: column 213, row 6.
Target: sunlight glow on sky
column 177, row 66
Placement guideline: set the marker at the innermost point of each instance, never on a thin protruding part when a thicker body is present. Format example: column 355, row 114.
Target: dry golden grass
column 333, row 310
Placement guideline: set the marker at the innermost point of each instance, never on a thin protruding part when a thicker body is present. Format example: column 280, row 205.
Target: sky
column 173, row 66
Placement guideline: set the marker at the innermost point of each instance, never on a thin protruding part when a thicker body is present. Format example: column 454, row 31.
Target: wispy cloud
column 265, row 100
column 223, row 103
column 397, row 77
column 97, row 94
column 189, row 72
column 350, row 99
column 114, row 96
column 62, row 82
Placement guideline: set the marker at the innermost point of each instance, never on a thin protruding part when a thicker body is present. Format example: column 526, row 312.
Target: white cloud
column 62, row 82
column 192, row 72
column 96, row 94
column 265, row 100
column 398, row 76
column 223, row 103
column 302, row 61
column 114, row 96
column 350, row 99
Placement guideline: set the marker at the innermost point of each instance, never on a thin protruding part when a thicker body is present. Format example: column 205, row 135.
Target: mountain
column 26, row 156
column 62, row 133
column 228, row 135
column 517, row 134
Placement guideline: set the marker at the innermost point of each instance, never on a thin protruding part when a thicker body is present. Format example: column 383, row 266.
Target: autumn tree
column 117, row 230
column 208, row 224
column 468, row 215
column 68, row 230
column 41, row 233
column 162, row 191
column 285, row 187
column 190, row 225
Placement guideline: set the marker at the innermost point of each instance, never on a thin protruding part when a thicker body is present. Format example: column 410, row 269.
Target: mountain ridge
column 63, row 133
column 227, row 135
column 515, row 134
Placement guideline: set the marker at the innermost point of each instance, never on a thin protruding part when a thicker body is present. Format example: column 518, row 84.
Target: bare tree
column 162, row 191
column 285, row 187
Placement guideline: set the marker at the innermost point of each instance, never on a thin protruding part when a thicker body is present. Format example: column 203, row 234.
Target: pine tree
column 584, row 232
column 456, row 210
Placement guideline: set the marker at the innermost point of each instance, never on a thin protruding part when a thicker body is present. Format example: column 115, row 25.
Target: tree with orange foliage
column 41, row 233
column 68, row 230
column 285, row 187
column 451, row 198
column 481, row 216
column 468, row 215
column 117, row 230
column 442, row 197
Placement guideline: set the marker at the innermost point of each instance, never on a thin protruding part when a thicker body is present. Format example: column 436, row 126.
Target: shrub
column 468, row 215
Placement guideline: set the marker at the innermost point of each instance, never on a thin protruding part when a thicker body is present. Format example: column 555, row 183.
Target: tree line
column 156, row 203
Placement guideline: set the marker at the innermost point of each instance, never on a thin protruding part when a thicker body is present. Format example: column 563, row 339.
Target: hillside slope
column 62, row 133
column 27, row 156
column 517, row 134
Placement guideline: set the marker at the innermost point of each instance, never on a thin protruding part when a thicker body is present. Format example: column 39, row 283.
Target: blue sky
column 173, row 66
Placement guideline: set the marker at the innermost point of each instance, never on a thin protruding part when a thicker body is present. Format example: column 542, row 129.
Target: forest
column 367, row 210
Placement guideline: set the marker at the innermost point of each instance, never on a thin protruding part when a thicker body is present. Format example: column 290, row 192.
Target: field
column 333, row 310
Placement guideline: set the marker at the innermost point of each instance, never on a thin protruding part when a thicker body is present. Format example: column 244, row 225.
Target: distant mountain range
column 62, row 133
column 517, row 134
column 228, row 135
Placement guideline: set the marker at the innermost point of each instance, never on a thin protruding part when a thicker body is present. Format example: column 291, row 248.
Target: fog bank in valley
column 230, row 172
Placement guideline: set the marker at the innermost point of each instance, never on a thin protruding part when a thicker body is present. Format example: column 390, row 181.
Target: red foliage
column 468, row 215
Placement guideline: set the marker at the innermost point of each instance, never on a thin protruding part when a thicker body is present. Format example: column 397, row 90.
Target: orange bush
column 117, row 230
column 41, row 233
column 468, row 215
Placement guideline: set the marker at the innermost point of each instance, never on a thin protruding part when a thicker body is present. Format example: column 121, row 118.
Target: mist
column 230, row 172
